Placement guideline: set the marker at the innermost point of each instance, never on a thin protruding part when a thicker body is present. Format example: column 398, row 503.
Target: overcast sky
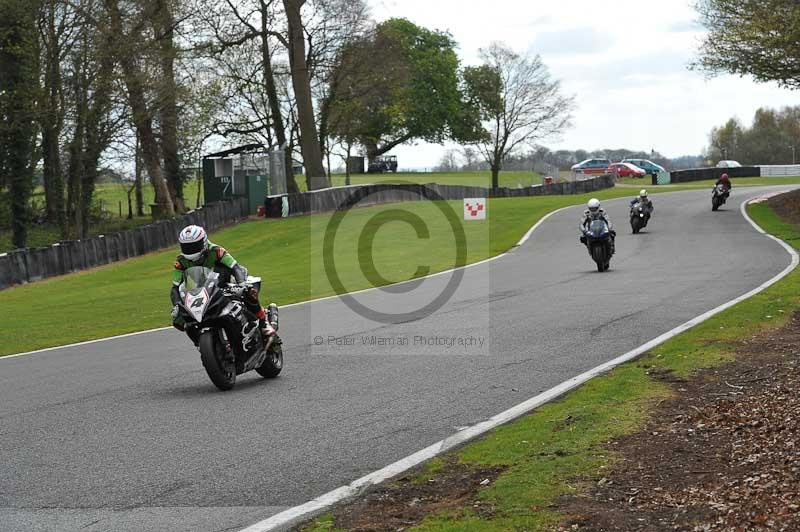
column 624, row 60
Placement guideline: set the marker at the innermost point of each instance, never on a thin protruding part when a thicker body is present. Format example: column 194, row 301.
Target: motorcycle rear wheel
column 273, row 363
column 222, row 373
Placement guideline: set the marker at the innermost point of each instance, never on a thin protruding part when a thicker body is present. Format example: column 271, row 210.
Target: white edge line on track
column 303, row 512
column 299, row 303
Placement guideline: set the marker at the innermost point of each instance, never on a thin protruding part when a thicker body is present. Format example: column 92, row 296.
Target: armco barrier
column 703, row 174
column 331, row 199
column 32, row 264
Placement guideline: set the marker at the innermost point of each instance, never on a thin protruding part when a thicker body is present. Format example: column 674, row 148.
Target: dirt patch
column 723, row 455
column 787, row 206
column 408, row 500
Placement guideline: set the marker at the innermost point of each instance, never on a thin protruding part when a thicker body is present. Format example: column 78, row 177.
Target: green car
column 648, row 166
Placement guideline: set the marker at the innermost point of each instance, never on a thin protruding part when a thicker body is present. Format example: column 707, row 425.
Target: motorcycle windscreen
column 195, row 295
column 598, row 228
column 197, row 277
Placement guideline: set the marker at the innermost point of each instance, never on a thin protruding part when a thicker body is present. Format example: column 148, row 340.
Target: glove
column 239, row 273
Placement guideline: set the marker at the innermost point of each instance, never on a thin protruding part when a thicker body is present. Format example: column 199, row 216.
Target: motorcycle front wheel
column 273, row 364
column 221, row 372
column 599, row 256
column 636, row 224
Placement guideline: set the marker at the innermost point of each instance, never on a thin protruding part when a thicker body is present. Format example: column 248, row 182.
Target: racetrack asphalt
column 129, row 434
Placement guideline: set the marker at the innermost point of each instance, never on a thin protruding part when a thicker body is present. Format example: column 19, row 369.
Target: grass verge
column 564, row 445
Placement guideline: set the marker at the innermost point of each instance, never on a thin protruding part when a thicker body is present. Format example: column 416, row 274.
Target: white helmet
column 643, row 193
column 593, row 204
column 193, row 240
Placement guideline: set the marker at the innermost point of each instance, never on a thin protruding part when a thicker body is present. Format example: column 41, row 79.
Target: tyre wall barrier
column 331, row 199
column 32, row 264
column 703, row 174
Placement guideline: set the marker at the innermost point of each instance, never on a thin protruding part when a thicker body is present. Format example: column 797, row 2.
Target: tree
column 471, row 158
column 448, row 162
column 396, row 84
column 751, row 37
column 56, row 26
column 769, row 140
column 127, row 43
column 726, row 141
column 301, row 83
column 164, row 26
column 19, row 88
column 89, row 93
column 518, row 102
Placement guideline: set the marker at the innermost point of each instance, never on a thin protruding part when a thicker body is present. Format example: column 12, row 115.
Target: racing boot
column 267, row 330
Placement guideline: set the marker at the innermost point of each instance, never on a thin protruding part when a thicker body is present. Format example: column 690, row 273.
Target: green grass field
column 562, row 447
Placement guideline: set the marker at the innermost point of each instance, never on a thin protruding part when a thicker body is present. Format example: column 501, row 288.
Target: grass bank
column 563, row 446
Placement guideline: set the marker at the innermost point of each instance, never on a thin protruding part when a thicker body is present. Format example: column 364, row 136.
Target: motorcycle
column 639, row 217
column 718, row 196
column 225, row 331
column 598, row 241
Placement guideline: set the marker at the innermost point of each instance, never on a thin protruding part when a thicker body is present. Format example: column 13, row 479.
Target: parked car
column 626, row 170
column 591, row 166
column 648, row 166
column 728, row 164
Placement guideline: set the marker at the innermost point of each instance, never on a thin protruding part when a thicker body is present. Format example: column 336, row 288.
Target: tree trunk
column 495, row 177
column 130, row 202
column 168, row 108
column 138, row 179
column 372, row 150
column 19, row 85
column 52, row 123
column 142, row 118
column 75, row 170
column 301, row 83
column 98, row 107
column 77, row 149
column 274, row 103
column 347, row 164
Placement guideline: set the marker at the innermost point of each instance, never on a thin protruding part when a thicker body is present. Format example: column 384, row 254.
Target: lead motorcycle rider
column 594, row 212
column 725, row 181
column 196, row 250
